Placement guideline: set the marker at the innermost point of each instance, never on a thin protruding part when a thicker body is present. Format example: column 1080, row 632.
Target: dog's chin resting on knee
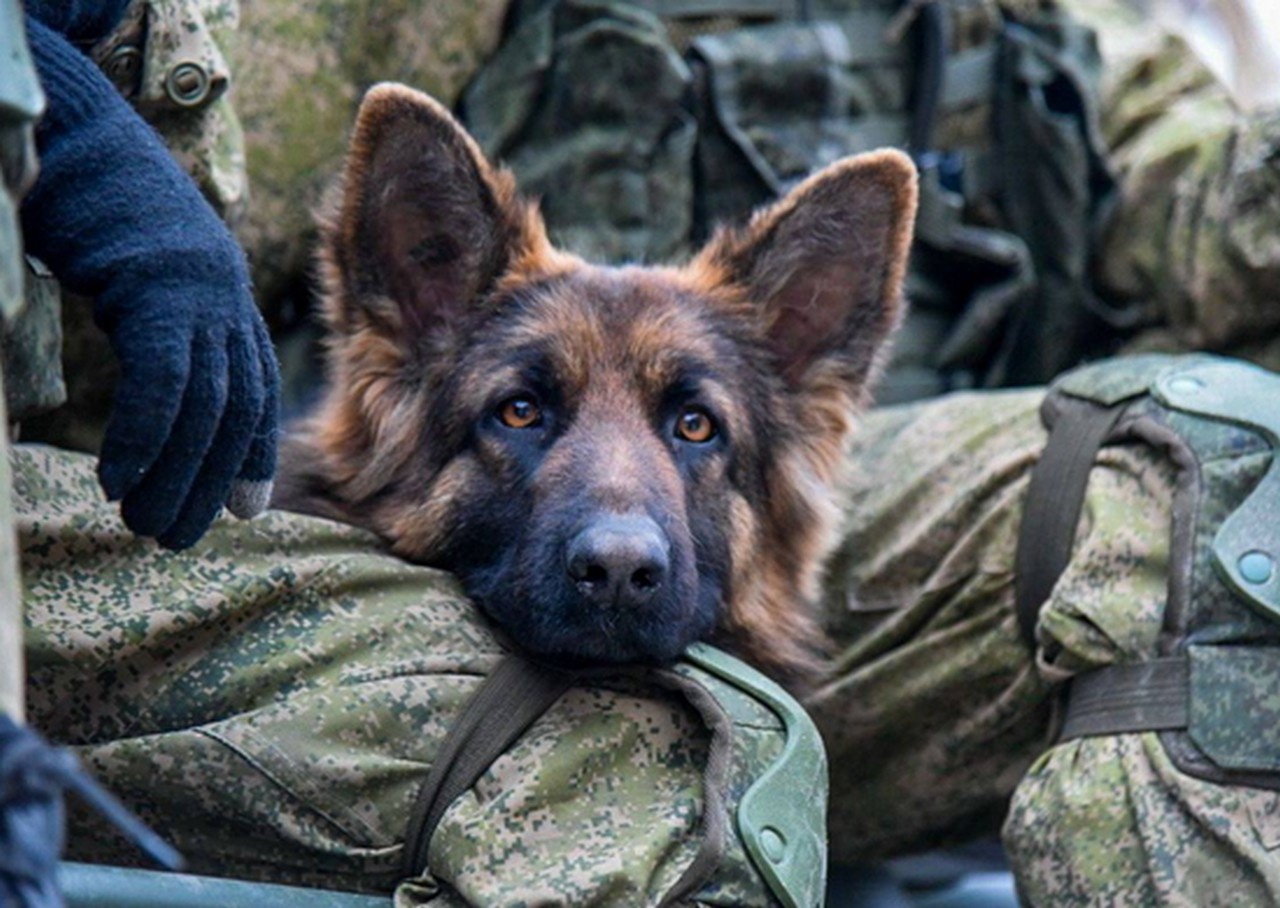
column 616, row 461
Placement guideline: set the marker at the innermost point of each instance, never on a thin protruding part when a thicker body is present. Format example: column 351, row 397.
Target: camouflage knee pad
column 273, row 700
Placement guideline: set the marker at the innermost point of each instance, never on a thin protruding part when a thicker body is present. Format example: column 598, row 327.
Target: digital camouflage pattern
column 302, row 653
column 1174, row 818
column 1111, row 821
column 1192, row 249
column 272, row 701
column 642, row 125
column 932, row 676
column 166, row 57
column 1137, row 205
column 300, row 71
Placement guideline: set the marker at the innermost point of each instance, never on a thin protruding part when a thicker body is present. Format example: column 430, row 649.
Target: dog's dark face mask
column 615, row 461
column 608, row 431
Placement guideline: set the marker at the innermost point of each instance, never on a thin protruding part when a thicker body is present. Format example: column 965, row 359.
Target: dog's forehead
column 642, row 325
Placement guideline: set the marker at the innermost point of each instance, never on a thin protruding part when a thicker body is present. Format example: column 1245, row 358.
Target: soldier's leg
column 937, row 708
column 1111, row 821
column 273, row 700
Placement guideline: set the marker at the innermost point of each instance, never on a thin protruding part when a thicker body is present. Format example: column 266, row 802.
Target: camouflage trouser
column 273, row 698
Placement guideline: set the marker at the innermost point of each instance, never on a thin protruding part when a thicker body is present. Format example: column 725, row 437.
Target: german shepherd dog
column 616, row 461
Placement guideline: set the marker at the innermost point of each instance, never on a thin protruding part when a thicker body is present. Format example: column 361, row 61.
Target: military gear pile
column 687, row 114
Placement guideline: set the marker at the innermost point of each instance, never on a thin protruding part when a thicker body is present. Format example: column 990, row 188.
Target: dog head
column 615, row 461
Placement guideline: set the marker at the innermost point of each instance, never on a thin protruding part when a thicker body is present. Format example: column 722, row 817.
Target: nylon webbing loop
column 506, row 704
column 1054, row 500
column 1145, row 696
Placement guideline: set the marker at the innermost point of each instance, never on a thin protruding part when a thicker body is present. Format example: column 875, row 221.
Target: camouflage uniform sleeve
column 1193, row 236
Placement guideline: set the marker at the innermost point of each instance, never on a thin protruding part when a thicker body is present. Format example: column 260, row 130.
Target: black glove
column 195, row 419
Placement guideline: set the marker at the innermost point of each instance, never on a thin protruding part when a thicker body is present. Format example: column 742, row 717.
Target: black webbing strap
column 1052, row 508
column 930, row 74
column 1143, row 696
column 516, row 693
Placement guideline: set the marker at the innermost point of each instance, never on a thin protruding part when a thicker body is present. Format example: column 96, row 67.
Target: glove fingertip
column 249, row 497
column 118, row 479
column 178, row 540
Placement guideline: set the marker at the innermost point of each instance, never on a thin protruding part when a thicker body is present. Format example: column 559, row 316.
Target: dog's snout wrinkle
column 619, row 560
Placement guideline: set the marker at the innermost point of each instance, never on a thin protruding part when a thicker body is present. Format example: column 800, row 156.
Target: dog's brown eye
column 520, row 413
column 696, row 425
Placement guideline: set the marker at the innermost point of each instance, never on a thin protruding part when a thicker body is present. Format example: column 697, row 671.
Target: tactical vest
column 642, row 124
column 1211, row 690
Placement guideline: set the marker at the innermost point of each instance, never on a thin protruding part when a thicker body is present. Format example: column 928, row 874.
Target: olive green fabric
column 1215, row 417
column 300, row 70
column 272, row 701
column 275, row 698
column 617, row 185
column 1184, row 817
column 642, row 125
column 935, row 709
column 166, row 57
column 1086, row 185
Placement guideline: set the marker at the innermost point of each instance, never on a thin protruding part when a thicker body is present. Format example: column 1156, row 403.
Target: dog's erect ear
column 827, row 264
column 423, row 219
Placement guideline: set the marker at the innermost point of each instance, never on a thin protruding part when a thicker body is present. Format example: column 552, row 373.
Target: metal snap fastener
column 1186, row 384
column 187, row 84
column 773, row 844
column 123, row 66
column 1256, row 567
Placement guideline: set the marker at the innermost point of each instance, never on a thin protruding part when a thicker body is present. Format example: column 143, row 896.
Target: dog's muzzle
column 619, row 561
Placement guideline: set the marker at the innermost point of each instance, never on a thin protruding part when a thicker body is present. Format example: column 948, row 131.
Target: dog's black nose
column 619, row 559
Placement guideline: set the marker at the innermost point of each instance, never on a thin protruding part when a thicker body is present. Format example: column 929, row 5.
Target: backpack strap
column 1052, row 507
column 1118, row 699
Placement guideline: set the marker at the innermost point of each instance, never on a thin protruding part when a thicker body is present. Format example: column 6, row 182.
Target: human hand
column 194, row 423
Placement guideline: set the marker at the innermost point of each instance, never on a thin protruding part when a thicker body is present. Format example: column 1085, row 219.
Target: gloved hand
column 194, row 424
